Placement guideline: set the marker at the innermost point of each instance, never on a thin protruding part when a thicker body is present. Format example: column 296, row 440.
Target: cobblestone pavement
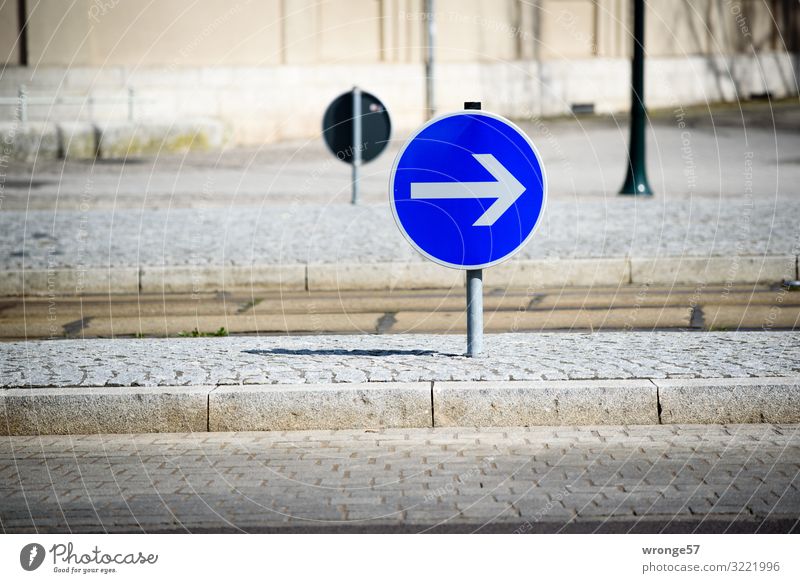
column 342, row 233
column 722, row 187
column 604, row 479
column 322, row 359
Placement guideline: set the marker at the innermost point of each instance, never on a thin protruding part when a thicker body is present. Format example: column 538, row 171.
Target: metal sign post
column 356, row 142
column 356, row 127
column 430, row 55
column 474, row 312
column 467, row 191
column 474, row 294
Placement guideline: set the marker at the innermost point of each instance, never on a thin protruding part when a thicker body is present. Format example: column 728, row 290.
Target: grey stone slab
column 126, row 139
column 11, row 282
column 533, row 274
column 556, row 272
column 327, row 277
column 382, row 275
column 735, row 400
column 729, row 269
column 494, row 403
column 77, row 140
column 205, row 278
column 331, row 406
column 29, row 141
column 69, row 281
column 67, row 411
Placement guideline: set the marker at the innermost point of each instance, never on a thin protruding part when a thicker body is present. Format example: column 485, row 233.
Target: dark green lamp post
column 636, row 177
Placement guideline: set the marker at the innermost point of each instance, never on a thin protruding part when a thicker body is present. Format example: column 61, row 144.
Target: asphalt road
column 426, row 311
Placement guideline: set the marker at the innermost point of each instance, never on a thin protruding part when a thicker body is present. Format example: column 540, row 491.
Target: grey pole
column 474, row 294
column 474, row 312
column 23, row 104
column 356, row 142
column 429, row 58
column 90, row 106
column 130, row 103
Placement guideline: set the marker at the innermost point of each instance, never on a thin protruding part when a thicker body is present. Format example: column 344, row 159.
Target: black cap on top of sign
column 472, row 105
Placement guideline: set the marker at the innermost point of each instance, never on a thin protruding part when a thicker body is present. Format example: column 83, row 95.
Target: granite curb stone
column 558, row 272
column 706, row 270
column 324, row 406
column 715, row 401
column 72, row 410
column 381, row 275
column 376, row 405
column 204, row 278
column 523, row 404
column 94, row 280
column 535, row 273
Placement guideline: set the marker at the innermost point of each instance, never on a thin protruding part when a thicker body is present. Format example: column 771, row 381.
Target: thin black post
column 474, row 294
column 22, row 36
column 636, row 178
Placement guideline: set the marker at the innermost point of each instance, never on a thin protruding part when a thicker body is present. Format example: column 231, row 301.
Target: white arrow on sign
column 506, row 190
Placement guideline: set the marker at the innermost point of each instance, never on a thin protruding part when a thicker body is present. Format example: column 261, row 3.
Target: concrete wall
column 264, row 104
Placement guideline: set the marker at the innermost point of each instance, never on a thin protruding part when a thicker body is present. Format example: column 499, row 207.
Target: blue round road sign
column 468, row 189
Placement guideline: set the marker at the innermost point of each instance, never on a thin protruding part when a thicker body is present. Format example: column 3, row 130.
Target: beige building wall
column 300, row 21
column 267, row 69
column 9, row 31
column 569, row 29
column 187, row 33
column 349, row 34
column 309, row 32
column 59, row 33
column 678, row 28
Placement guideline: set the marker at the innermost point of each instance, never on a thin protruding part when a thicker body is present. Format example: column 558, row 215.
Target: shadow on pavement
column 343, row 352
column 642, row 525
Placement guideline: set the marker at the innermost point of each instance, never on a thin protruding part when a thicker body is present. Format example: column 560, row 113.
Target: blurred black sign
column 337, row 127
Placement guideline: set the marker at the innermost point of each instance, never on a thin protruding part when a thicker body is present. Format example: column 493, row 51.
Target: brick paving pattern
column 563, row 479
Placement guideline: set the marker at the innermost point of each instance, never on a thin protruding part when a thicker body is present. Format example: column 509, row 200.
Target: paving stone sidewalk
column 743, row 478
column 399, row 358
